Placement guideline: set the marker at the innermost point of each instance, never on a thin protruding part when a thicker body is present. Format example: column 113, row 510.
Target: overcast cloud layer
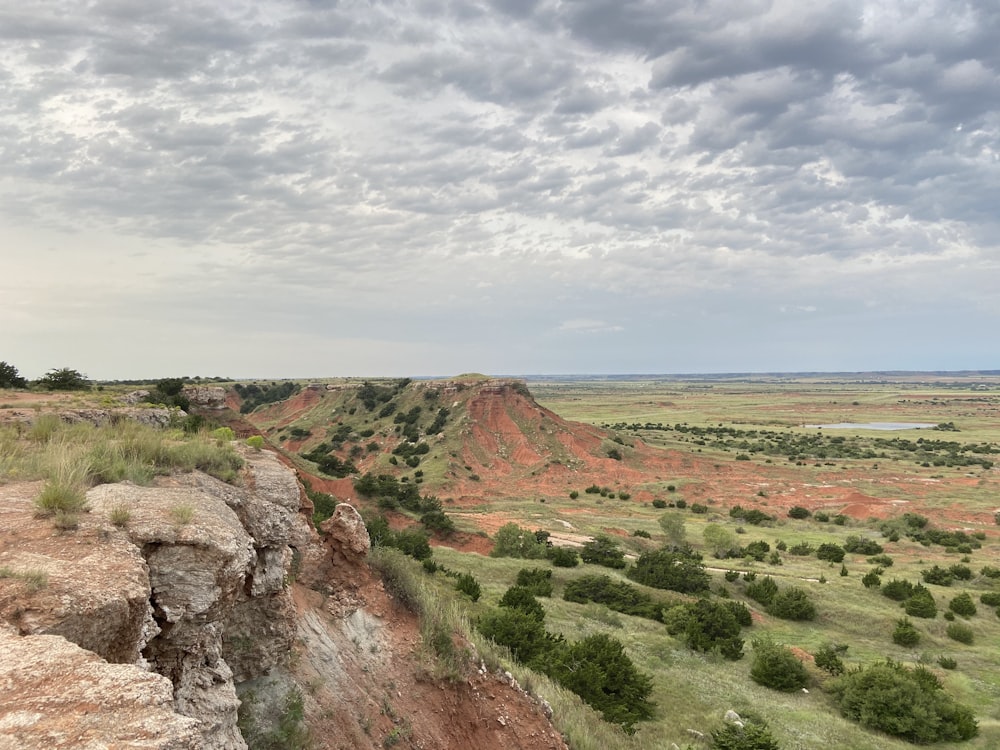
column 294, row 189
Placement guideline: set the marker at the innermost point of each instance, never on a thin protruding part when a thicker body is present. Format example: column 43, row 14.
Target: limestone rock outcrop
column 55, row 695
column 206, row 397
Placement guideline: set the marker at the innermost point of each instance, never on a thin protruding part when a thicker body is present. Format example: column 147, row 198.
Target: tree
column 750, row 733
column 64, row 379
column 469, row 586
column 963, row 605
column 601, row 673
column 712, row 626
column 776, row 667
column 521, row 598
column 673, row 526
column 513, row 541
column 603, row 550
column 792, row 604
column 906, row 703
column 667, row 569
column 522, row 633
column 719, row 539
column 9, row 377
column 905, row 634
column 921, row 603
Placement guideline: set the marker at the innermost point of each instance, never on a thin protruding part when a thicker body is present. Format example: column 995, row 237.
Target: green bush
column 937, row 575
column 573, row 495
column 10, row 378
column 674, row 570
column 827, row 658
column 563, row 557
column 898, row 590
column 776, row 667
column 990, row 598
column 871, row 579
column 615, row 595
column 905, row 634
column 523, row 634
column 63, row 379
column 831, row 552
column 750, row 734
column 963, row 605
column 903, row 702
column 513, row 541
column 536, row 580
column 469, row 586
column 712, row 626
column 921, row 603
column 797, row 511
column 857, row 545
column 603, row 550
column 792, row 604
column 659, row 503
column 959, row 631
column 521, row 598
column 762, row 591
column 601, row 673
column 256, row 442
column 946, row 662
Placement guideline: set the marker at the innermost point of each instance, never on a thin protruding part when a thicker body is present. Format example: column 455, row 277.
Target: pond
column 874, row 426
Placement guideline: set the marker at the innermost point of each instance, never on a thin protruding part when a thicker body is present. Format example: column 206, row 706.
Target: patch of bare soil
column 368, row 683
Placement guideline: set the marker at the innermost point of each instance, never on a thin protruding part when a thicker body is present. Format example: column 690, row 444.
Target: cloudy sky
column 285, row 188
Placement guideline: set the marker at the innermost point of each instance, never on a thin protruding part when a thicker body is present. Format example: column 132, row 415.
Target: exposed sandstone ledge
column 55, row 695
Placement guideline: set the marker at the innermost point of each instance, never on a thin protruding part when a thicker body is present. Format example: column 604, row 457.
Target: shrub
column 659, row 503
column 680, row 503
column 732, row 575
column 256, row 442
column 946, row 662
column 469, row 586
column 858, row 545
column 601, row 673
column 698, row 508
column 905, row 634
column 712, row 626
column 959, row 631
column 573, row 495
column 937, row 575
column 523, row 634
column 513, row 541
column 990, row 598
column 906, row 703
column 603, row 550
column 751, row 733
column 821, row 516
column 223, row 434
column 776, row 667
column 921, row 603
column 828, row 659
column 63, row 379
column 802, row 548
column 797, row 511
column 536, row 580
column 674, row 570
column 898, row 590
column 960, row 572
column 642, row 533
column 830, row 552
column 871, row 579
column 10, row 378
column 757, row 550
column 520, row 598
column 792, row 604
column 616, row 595
column 763, row 591
column 963, row 605
column 563, row 557
column 412, row 542
column 883, row 561
column 741, row 612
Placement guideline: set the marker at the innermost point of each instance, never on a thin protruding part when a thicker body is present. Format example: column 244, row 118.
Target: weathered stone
column 206, row 397
column 54, row 695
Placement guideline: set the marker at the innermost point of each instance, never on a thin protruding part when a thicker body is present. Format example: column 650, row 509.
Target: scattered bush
column 536, row 580
column 659, row 503
column 898, row 590
column 871, row 579
column 563, row 557
column 513, row 541
column 963, row 605
column 469, row 586
column 601, row 673
column 603, row 550
column 905, row 634
column 675, row 570
column 857, row 545
column 797, row 511
column 921, row 603
column 762, row 591
column 937, row 576
column 776, row 667
column 521, row 598
column 615, row 595
column 712, row 626
column 828, row 659
column 903, row 702
column 946, row 662
column 831, row 552
column 792, row 604
column 751, row 733
column 959, row 631
column 990, row 598
column 523, row 634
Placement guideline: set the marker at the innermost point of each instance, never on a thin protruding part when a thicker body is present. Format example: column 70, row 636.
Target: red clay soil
column 385, row 694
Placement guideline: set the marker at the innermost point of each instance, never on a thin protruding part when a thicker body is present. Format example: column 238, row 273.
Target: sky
column 286, row 188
